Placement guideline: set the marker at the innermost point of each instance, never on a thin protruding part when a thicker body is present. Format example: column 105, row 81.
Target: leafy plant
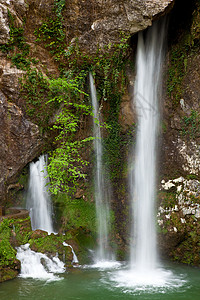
column 7, row 253
column 66, row 164
column 191, row 124
column 17, row 49
column 52, row 33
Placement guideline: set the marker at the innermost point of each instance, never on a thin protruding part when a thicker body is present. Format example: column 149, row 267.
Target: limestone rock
column 102, row 22
column 4, row 27
column 19, row 142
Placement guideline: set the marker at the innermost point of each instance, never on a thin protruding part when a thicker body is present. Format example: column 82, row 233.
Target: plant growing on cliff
column 187, row 45
column 191, row 124
column 52, row 32
column 66, row 164
column 35, row 91
column 16, row 49
column 7, row 252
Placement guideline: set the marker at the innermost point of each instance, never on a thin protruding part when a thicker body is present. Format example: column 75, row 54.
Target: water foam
column 106, row 264
column 158, row 280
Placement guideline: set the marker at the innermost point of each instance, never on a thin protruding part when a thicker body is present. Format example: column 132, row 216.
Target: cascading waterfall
column 38, row 200
column 146, row 95
column 101, row 189
column 38, row 265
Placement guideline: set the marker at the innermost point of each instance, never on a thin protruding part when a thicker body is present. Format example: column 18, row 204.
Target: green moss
column 187, row 46
column 47, row 244
column 17, row 49
column 191, row 176
column 7, row 253
column 7, row 274
column 191, row 125
column 52, row 245
column 13, row 232
column 188, row 251
column 176, row 71
column 77, row 213
column 22, row 229
column 35, row 91
column 167, row 199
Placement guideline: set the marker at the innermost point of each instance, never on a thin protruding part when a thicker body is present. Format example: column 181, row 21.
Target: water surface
column 94, row 284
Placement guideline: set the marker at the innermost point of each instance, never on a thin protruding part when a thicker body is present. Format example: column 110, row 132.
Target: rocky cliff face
column 95, row 23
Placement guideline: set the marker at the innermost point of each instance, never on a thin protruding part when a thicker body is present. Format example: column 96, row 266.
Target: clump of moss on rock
column 10, row 236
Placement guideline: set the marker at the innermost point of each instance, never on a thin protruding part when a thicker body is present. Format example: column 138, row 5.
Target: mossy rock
column 51, row 245
column 188, row 251
column 8, row 272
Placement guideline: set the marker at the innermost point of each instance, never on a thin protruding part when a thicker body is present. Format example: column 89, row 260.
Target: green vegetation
column 65, row 162
column 48, row 244
column 17, row 49
column 191, row 125
column 7, row 253
column 44, row 97
column 35, row 91
column 12, row 232
column 77, row 213
column 176, row 73
column 111, row 84
column 187, row 46
column 167, row 199
column 188, row 250
column 52, row 32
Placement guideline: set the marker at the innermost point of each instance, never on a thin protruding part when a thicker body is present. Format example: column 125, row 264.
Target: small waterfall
column 37, row 265
column 75, row 259
column 38, row 201
column 146, row 96
column 101, row 189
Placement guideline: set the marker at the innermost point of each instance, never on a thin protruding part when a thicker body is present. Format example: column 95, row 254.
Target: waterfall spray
column 146, row 96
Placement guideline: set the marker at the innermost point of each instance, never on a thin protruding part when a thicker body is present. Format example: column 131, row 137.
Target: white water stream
column 75, row 259
column 146, row 96
column 102, row 192
column 38, row 201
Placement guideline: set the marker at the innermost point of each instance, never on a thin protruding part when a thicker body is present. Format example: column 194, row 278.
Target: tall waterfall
column 146, row 95
column 38, row 200
column 101, row 190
